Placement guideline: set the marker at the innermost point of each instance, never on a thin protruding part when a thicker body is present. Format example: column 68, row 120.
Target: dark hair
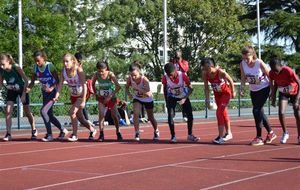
column 78, row 56
column 136, row 65
column 102, row 64
column 249, row 49
column 209, row 61
column 40, row 53
column 275, row 61
column 8, row 57
column 169, row 68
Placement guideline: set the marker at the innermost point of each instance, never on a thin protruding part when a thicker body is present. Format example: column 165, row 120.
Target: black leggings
column 171, row 104
column 47, row 112
column 258, row 99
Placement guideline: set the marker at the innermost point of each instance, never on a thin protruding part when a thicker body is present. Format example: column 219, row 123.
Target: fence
column 240, row 106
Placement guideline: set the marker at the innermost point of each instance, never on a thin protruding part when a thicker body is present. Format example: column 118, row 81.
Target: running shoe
column 257, row 141
column 101, row 136
column 62, row 134
column 173, row 139
column 284, row 138
column 47, row 138
column 7, row 137
column 218, row 140
column 73, row 138
column 137, row 136
column 227, row 137
column 119, row 136
column 192, row 138
column 185, row 119
column 92, row 134
column 270, row 137
column 34, row 134
column 156, row 135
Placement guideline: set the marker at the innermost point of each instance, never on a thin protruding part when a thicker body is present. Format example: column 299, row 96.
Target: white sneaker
column 185, row 119
column 156, row 135
column 173, row 139
column 227, row 137
column 218, row 140
column 73, row 138
column 7, row 137
column 137, row 136
column 47, row 138
column 92, row 134
column 284, row 138
column 192, row 138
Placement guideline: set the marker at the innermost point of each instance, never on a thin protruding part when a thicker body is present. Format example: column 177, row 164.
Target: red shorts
column 110, row 104
column 74, row 99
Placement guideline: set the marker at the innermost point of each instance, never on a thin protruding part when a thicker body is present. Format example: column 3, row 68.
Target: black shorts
column 148, row 105
column 290, row 98
column 12, row 96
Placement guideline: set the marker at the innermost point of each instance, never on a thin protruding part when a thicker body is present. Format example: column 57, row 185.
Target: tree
column 279, row 20
column 199, row 29
column 209, row 28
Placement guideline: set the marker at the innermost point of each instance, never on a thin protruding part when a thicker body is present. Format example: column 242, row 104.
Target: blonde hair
column 7, row 56
column 250, row 50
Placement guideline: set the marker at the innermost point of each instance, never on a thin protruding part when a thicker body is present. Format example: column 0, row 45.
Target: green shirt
column 105, row 87
column 13, row 78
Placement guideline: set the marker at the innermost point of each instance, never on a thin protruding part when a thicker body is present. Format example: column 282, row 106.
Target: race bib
column 47, row 88
column 75, row 90
column 176, row 91
column 286, row 89
column 216, row 87
column 253, row 80
column 14, row 87
column 104, row 93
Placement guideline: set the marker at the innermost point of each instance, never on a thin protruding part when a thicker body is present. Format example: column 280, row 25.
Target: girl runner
column 177, row 88
column 142, row 97
column 106, row 90
column 287, row 83
column 74, row 75
column 256, row 73
column 17, row 83
column 48, row 77
column 222, row 92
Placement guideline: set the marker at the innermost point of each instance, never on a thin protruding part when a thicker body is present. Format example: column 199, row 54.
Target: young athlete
column 74, row 75
column 256, row 73
column 106, row 90
column 16, row 84
column 90, row 91
column 47, row 75
column 183, row 66
column 287, row 82
column 141, row 96
column 177, row 88
column 218, row 79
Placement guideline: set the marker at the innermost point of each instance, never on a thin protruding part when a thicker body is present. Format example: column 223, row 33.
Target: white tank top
column 176, row 90
column 74, row 84
column 254, row 76
column 140, row 96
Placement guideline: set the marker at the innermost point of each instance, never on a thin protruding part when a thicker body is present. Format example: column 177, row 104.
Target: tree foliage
column 280, row 20
column 209, row 28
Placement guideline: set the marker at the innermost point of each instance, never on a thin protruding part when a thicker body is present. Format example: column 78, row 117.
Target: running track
column 146, row 165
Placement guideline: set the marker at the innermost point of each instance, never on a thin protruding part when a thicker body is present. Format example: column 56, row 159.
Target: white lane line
column 98, row 157
column 156, row 167
column 144, row 126
column 218, row 169
column 253, row 177
column 90, row 145
column 54, row 149
column 62, row 171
